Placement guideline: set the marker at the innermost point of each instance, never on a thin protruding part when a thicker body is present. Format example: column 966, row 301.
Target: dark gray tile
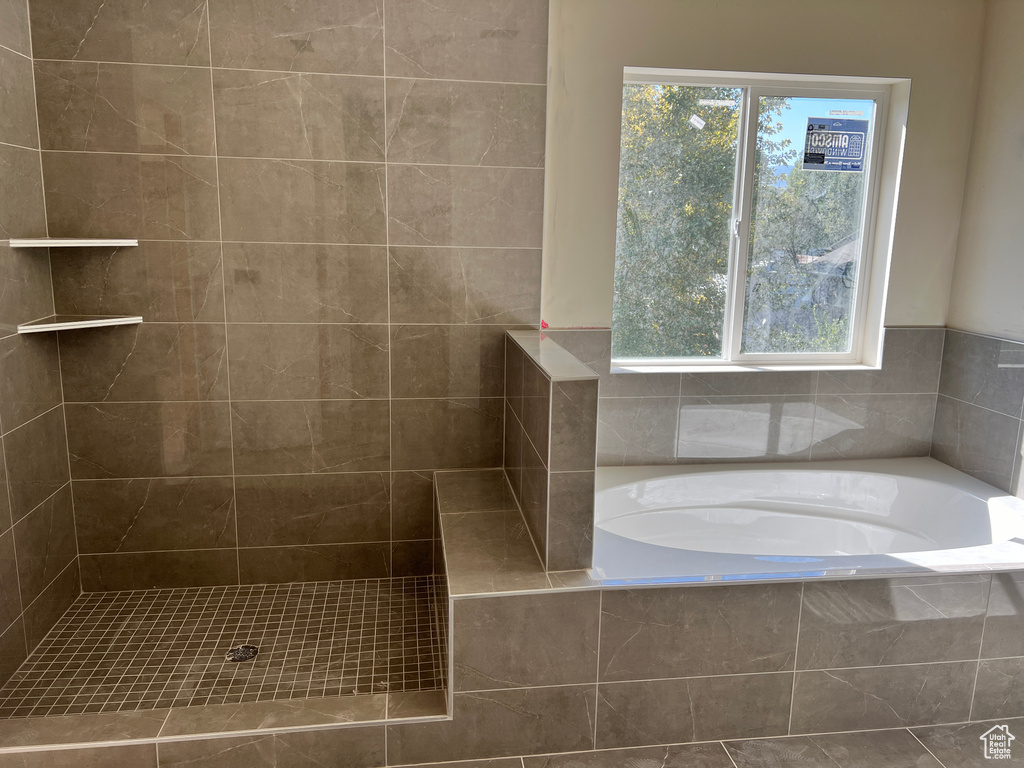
column 748, row 428
column 77, row 729
column 51, row 604
column 416, row 704
column 893, row 749
column 145, row 362
column 30, row 381
column 21, row 196
column 24, row 282
column 872, row 426
column 1004, row 622
column 983, row 371
column 412, row 558
column 14, row 27
column 761, row 383
column 37, row 461
column 316, row 36
column 90, row 107
column 299, row 201
column 135, row 755
column 911, row 359
column 533, row 497
column 157, row 197
column 446, row 434
column 18, row 117
column 161, row 281
column 891, row 621
column 10, row 593
column 153, row 515
column 447, row 361
column 310, row 436
column 173, row 32
column 5, row 502
column 692, row 709
column 412, row 505
column 573, row 426
column 12, row 649
column 484, row 490
column 490, row 552
column 274, row 714
column 458, row 123
column 313, row 509
column 512, row 461
column 636, row 430
column 515, row 371
column 306, row 283
column 673, row 756
column 999, row 691
column 500, row 723
column 325, row 562
column 536, row 412
column 465, row 285
column 45, row 543
column 882, row 697
column 959, row 746
column 361, row 748
column 159, row 570
column 299, row 116
column 463, row 40
column 148, row 439
column 570, row 520
column 698, row 631
column 498, row 762
column 594, row 348
column 979, row 442
column 525, row 640
column 307, row 362
column 448, row 205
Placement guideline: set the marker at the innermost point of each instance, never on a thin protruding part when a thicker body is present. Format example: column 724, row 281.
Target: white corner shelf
column 70, row 242
column 73, row 322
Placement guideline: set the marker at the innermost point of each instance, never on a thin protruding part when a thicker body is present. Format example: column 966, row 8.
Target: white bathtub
column 810, row 520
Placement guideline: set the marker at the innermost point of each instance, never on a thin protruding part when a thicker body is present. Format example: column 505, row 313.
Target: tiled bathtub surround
column 338, row 207
column 688, row 418
column 550, row 431
column 978, row 415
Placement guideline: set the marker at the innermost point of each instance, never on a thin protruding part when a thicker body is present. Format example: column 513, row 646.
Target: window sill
column 617, row 368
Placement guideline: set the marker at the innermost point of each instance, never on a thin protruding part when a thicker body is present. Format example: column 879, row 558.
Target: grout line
column 413, row 246
column 597, row 672
column 729, row 754
column 796, row 656
column 20, row 146
column 981, row 644
column 918, row 739
column 47, row 412
column 387, row 298
column 19, row 53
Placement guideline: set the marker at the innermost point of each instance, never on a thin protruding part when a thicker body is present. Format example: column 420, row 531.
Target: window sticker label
column 697, row 122
column 835, row 144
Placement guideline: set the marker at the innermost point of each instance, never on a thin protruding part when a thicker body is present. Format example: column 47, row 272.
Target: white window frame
column 888, row 132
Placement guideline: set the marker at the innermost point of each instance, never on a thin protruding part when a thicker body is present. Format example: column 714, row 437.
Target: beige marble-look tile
column 882, row 697
column 14, row 26
column 75, row 729
column 21, row 196
column 872, row 426
column 37, row 461
column 158, row 197
column 171, row 439
column 161, row 281
column 311, row 36
column 169, row 32
column 18, row 117
column 500, row 723
column 490, row 552
column 92, row 107
column 447, row 361
column 154, row 514
column 299, row 115
column 446, row 434
column 312, row 436
column 299, row 201
column 911, row 359
column 134, row 755
column 473, row 490
column 519, row 641
column 24, row 284
column 891, row 621
column 977, row 441
column 672, row 756
column 1004, row 621
column 446, row 122
column 465, row 285
column 461, row 206
column 45, row 543
column 684, row 632
column 306, row 283
column 636, row 430
column 893, row 749
column 467, row 40
column 307, row 362
column 360, row 748
column 158, row 570
column 52, row 603
column 747, row 428
column 144, row 362
column 29, row 378
column 999, row 691
column 313, row 509
column 692, row 709
column 259, row 715
column 960, row 745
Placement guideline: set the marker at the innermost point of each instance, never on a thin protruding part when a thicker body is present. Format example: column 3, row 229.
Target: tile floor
column 146, row 649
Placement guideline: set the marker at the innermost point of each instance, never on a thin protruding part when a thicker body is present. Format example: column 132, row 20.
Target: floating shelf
column 70, row 242
column 71, row 322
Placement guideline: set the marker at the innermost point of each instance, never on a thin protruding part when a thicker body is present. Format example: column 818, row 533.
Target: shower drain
column 242, row 653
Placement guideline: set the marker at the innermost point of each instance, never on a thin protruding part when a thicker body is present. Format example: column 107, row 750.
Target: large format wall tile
column 911, row 359
column 159, row 197
column 21, row 194
column 446, row 434
column 161, row 281
column 159, row 570
column 10, row 591
column 447, row 361
column 14, row 28
column 168, row 32
column 983, row 371
column 573, row 426
column 148, row 439
column 959, row 745
column 872, row 426
column 361, row 748
column 672, row 756
column 594, row 349
column 45, row 542
column 412, row 505
column 749, row 428
column 1004, row 622
column 37, row 461
column 999, row 691
column 977, row 441
column 892, row 749
column 12, row 649
column 311, row 36
column 24, row 284
column 636, row 430
column 326, row 562
column 86, row 106
column 18, row 117
column 30, row 381
column 135, row 755
column 503, row 40
column 299, row 116
column 570, row 535
column 5, row 503
column 306, row 283
column 302, row 202
column 51, row 604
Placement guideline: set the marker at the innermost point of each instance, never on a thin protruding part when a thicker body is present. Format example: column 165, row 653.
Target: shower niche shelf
column 73, row 322
column 71, row 242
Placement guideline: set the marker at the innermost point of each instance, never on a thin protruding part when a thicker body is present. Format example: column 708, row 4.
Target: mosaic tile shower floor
column 147, row 649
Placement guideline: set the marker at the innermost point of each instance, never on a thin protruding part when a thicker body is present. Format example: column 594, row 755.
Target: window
column 747, row 215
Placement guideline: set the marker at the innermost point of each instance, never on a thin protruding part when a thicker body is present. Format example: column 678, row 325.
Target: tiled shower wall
column 38, row 556
column 339, row 212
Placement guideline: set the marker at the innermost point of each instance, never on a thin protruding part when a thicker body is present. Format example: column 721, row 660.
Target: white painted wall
column 987, row 294
column 936, row 43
